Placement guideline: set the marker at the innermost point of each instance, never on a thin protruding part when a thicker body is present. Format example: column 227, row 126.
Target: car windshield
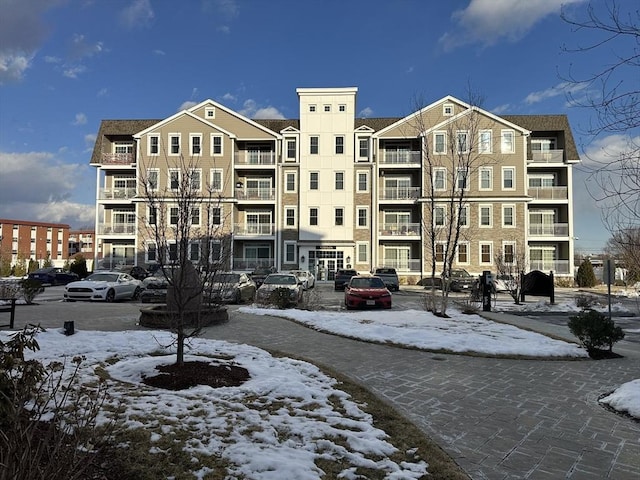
column 460, row 273
column 363, row 282
column 103, row 277
column 280, row 280
column 45, row 270
column 226, row 278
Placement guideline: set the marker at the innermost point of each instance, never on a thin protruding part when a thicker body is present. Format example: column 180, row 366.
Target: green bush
column 79, row 266
column 595, row 330
column 586, row 278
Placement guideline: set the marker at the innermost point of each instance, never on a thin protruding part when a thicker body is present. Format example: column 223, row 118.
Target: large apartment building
column 39, row 241
column 329, row 190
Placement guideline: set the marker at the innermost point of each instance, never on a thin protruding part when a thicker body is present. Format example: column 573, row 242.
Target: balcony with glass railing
column 401, row 157
column 116, row 193
column 251, row 263
column 408, row 265
column 255, row 157
column 253, row 229
column 548, row 229
column 549, row 193
column 555, row 266
column 548, row 156
column 267, row 194
column 399, row 230
column 116, row 229
column 400, row 193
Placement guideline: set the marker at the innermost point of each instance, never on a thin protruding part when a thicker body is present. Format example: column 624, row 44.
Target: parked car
column 307, row 278
column 259, row 274
column 53, row 276
column 154, row 288
column 389, row 276
column 229, row 287
column 274, row 281
column 342, row 278
column 105, row 286
column 461, row 280
column 366, row 292
column 137, row 272
column 504, row 283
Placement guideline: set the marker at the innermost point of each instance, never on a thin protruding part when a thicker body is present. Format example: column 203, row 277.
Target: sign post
column 609, row 276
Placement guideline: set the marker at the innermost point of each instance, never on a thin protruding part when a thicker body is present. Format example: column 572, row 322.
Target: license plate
column 371, row 302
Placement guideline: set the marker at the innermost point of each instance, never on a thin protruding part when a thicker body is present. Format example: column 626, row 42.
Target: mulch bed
column 190, row 374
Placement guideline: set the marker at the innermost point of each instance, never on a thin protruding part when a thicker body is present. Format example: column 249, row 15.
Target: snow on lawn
column 274, row 426
column 415, row 328
column 625, row 398
column 565, row 307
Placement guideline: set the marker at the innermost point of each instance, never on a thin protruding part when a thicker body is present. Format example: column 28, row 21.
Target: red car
column 366, row 292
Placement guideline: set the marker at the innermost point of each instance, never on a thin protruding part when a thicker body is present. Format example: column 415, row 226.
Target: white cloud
column 81, row 119
column 39, row 186
column 488, row 21
column 366, row 112
column 187, row 105
column 252, row 110
column 606, row 150
column 561, row 89
column 159, row 52
column 102, row 92
column 81, row 48
column 73, row 72
column 500, row 109
column 228, row 97
column 138, row 14
column 13, row 66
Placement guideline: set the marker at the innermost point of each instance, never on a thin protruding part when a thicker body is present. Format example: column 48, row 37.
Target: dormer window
column 312, row 108
column 210, row 113
column 447, row 109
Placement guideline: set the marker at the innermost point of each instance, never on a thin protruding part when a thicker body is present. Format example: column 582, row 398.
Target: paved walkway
column 499, row 419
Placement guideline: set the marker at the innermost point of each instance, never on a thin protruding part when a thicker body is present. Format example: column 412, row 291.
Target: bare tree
column 450, row 157
column 623, row 246
column 511, row 263
column 613, row 94
column 185, row 226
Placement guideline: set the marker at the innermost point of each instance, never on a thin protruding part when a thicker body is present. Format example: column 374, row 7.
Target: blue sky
column 67, row 64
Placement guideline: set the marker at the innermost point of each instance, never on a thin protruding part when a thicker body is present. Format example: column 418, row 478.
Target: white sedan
column 105, row 286
column 305, row 277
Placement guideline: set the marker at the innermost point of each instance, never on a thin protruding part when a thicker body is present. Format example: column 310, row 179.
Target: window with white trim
column 439, row 253
column 174, row 215
column 508, row 215
column 215, row 215
column 151, row 252
column 195, row 216
column 462, row 253
column 290, row 182
column 439, row 216
column 485, row 176
column 290, row 252
column 363, row 217
column 485, row 215
column 313, row 145
column 508, row 178
column 312, row 108
column 313, row 216
column 289, row 217
column 174, row 144
column 292, row 150
column 210, row 113
column 195, row 179
column 194, row 251
column 486, row 253
column 463, row 216
column 153, row 147
column 462, row 182
column 462, row 141
column 152, row 215
column 339, row 180
column 362, row 252
column 439, row 142
column 339, row 216
column 122, row 147
column 216, row 179
column 363, row 181
column 174, row 178
column 314, row 180
column 508, row 252
column 216, row 145
column 172, row 251
column 439, row 178
column 342, row 108
column 363, row 148
column 485, row 143
column 195, row 140
column 339, row 145
column 153, row 178
column 447, row 109
column 507, row 141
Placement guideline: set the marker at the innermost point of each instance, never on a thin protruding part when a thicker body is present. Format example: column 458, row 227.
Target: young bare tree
column 614, row 98
column 185, row 226
column 450, row 157
column 623, row 246
column 511, row 263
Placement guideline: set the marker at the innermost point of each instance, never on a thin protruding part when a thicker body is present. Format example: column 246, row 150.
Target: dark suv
column 342, row 278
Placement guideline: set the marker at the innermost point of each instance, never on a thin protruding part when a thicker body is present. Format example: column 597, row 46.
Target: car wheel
column 111, row 296
column 136, row 293
column 238, row 298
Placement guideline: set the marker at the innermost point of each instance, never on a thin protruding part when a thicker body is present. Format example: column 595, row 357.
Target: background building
column 27, row 240
column 329, row 190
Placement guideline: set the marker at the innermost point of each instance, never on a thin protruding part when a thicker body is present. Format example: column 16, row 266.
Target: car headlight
column 99, row 288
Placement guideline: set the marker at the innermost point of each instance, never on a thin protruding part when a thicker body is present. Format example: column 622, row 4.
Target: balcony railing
column 399, row 229
column 117, row 229
column 400, row 193
column 549, row 229
column 252, row 263
column 247, row 157
column 408, row 265
column 557, row 266
column 252, row 229
column 549, row 193
column 256, row 194
column 117, row 193
column 549, row 156
column 117, row 158
column 402, row 157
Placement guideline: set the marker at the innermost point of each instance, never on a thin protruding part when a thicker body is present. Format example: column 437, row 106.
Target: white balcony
column 117, row 229
column 399, row 230
column 117, row 193
column 548, row 156
column 267, row 194
column 251, row 263
column 253, row 229
column 407, row 265
column 400, row 193
column 401, row 158
column 549, row 229
column 549, row 193
column 555, row 266
column 255, row 157
column 117, row 158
